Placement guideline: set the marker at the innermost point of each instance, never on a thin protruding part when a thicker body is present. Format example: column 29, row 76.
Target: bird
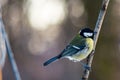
column 78, row 49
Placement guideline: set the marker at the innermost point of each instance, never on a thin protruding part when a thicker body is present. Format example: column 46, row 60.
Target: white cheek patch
column 88, row 34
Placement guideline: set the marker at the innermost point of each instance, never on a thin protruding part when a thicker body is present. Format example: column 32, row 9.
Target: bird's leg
column 86, row 66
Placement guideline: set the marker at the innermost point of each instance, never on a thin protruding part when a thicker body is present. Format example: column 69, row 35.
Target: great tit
column 78, row 49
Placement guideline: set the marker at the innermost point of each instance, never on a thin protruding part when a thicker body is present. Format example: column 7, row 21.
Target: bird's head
column 87, row 33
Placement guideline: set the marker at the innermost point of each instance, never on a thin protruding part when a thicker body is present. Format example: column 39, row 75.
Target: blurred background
column 40, row 29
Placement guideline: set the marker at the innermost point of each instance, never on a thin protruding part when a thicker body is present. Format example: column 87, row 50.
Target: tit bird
column 78, row 49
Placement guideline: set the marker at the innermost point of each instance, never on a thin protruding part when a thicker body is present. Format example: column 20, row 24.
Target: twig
column 2, row 51
column 8, row 48
column 2, row 48
column 97, row 31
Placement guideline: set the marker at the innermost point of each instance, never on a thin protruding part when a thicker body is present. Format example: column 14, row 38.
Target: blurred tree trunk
column 115, row 23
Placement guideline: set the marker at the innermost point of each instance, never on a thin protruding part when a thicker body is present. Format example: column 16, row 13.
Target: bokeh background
column 40, row 29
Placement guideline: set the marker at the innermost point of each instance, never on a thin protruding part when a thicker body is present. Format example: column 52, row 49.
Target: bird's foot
column 87, row 67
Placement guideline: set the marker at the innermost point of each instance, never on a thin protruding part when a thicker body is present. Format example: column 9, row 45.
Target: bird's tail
column 51, row 60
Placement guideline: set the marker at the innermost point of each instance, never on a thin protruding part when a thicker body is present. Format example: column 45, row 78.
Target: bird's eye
column 88, row 34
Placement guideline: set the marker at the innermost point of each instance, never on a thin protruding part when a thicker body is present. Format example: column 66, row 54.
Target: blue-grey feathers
column 51, row 60
column 69, row 51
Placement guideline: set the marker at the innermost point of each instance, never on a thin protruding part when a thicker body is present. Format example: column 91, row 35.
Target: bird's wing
column 77, row 44
column 71, row 50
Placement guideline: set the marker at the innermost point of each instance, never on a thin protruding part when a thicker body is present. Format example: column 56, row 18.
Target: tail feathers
column 51, row 60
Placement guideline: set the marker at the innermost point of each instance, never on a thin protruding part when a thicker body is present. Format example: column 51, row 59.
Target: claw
column 87, row 67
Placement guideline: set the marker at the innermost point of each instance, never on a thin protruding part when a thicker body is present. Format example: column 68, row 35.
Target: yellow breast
column 90, row 43
column 85, row 52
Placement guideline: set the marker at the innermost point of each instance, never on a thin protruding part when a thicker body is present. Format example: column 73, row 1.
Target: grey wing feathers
column 71, row 50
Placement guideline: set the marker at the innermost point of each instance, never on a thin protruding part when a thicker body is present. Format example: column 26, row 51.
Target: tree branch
column 2, row 51
column 97, row 31
column 8, row 48
column 2, row 48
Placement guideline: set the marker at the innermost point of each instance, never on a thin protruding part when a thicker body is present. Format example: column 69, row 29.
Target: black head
column 87, row 33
